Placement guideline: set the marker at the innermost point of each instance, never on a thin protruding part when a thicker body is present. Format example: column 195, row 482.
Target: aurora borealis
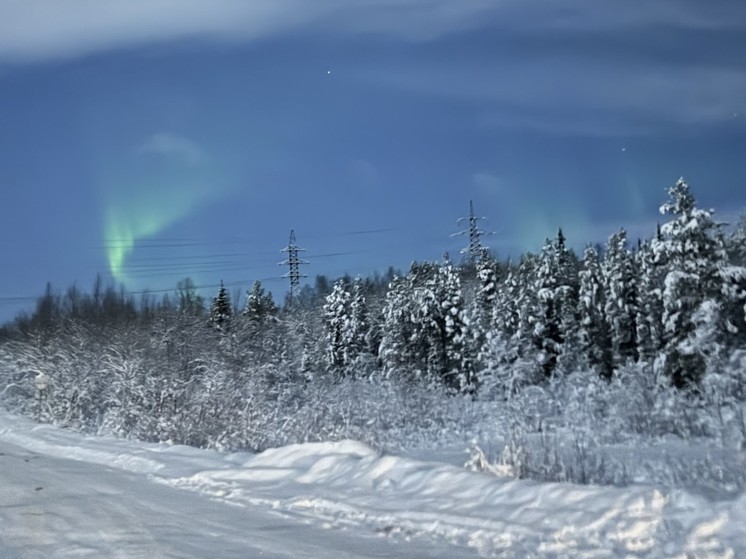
column 167, row 179
column 149, row 210
column 146, row 145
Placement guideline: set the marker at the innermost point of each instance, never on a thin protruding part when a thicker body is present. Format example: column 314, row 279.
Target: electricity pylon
column 476, row 250
column 294, row 262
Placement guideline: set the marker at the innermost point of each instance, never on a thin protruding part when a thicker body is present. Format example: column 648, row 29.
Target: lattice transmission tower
column 476, row 251
column 293, row 261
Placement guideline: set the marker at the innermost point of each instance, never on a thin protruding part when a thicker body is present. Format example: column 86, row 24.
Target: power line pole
column 294, row 262
column 476, row 250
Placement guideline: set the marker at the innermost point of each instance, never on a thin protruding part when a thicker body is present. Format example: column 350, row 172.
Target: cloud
column 589, row 15
column 583, row 90
column 49, row 29
column 574, row 67
column 173, row 146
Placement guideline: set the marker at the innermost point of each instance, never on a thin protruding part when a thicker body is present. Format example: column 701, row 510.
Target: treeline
column 219, row 374
column 676, row 302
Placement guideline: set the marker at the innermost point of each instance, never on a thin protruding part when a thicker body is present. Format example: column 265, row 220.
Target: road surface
column 58, row 508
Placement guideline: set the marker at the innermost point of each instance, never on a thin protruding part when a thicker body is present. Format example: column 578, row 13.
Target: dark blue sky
column 155, row 139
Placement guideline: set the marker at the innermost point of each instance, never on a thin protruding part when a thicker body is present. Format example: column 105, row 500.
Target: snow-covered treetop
column 682, row 201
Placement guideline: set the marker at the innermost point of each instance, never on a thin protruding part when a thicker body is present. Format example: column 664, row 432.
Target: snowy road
column 54, row 508
column 64, row 495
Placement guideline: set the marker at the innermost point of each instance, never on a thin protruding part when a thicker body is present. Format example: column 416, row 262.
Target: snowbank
column 347, row 485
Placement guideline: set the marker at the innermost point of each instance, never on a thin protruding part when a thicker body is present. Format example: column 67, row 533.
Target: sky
column 150, row 140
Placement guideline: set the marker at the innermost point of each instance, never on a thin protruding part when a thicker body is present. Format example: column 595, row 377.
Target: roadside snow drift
column 348, row 487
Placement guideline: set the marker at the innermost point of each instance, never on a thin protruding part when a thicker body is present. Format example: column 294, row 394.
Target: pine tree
column 548, row 336
column 261, row 334
column 621, row 298
column 649, row 321
column 556, row 326
column 733, row 312
column 426, row 328
column 221, row 311
column 569, row 286
column 395, row 350
column 486, row 296
column 428, row 341
column 737, row 244
column 692, row 242
column 496, row 345
column 360, row 328
column 594, row 338
column 459, row 371
column 484, row 306
column 692, row 247
column 507, row 306
column 260, row 306
column 337, row 327
column 527, row 305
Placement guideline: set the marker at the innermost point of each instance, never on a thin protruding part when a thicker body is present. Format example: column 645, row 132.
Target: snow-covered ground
column 67, row 495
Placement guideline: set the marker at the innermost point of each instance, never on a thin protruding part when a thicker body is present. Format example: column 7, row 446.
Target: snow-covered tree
column 261, row 335
column 426, row 328
column 506, row 315
column 736, row 244
column 593, row 334
column 507, row 359
column 428, row 337
column 337, row 327
column 556, row 325
column 221, row 311
column 692, row 246
column 620, row 276
column 567, row 263
column 260, row 305
column 347, row 326
column 484, row 306
column 459, row 371
column 692, row 241
column 649, row 322
column 485, row 299
column 360, row 326
column 395, row 352
column 733, row 314
column 527, row 305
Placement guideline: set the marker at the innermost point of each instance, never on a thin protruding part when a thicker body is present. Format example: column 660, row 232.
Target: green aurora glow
column 167, row 179
column 148, row 199
column 146, row 215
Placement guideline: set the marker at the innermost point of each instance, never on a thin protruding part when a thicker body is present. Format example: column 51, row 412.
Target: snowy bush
column 635, row 428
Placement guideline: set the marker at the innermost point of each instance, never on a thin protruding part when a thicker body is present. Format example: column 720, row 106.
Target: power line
column 203, row 286
column 138, row 258
column 17, row 300
column 170, row 265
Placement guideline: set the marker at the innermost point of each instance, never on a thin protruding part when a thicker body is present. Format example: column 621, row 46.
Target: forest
column 639, row 339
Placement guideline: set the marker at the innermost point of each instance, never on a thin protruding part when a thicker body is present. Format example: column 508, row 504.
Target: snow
column 67, row 495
